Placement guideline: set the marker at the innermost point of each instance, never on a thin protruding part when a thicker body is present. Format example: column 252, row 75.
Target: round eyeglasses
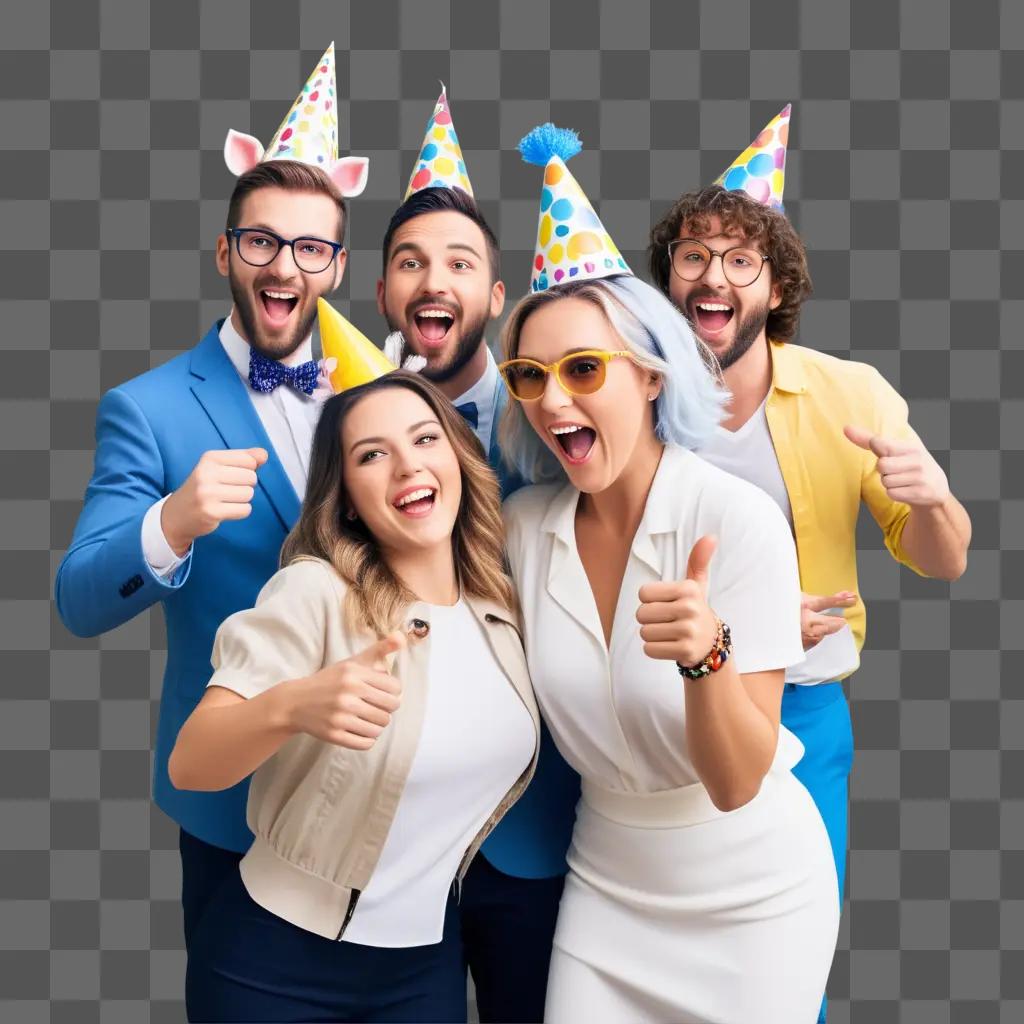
column 259, row 247
column 690, row 260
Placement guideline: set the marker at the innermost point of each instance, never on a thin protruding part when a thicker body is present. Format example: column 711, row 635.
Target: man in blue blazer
column 200, row 466
column 441, row 289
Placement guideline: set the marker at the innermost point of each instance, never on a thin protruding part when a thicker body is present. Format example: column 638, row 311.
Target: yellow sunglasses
column 578, row 373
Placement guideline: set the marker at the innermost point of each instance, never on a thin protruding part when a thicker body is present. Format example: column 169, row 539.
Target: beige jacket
column 321, row 813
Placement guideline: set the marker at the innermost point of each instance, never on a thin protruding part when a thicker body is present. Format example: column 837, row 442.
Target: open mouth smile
column 432, row 325
column 575, row 440
column 711, row 316
column 278, row 305
column 416, row 502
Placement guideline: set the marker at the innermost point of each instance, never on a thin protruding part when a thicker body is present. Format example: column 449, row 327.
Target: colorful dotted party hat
column 760, row 170
column 308, row 134
column 440, row 162
column 356, row 359
column 572, row 243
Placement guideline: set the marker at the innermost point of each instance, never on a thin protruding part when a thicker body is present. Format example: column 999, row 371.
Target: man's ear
column 497, row 299
column 221, row 255
column 339, row 270
column 776, row 296
column 380, row 295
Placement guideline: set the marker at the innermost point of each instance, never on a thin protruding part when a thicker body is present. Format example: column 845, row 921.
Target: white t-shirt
column 618, row 716
column 750, row 454
column 477, row 739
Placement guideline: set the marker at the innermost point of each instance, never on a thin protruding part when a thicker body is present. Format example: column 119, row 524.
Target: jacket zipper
column 352, row 901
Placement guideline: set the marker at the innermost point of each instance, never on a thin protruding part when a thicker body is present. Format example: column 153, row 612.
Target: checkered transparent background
column 905, row 177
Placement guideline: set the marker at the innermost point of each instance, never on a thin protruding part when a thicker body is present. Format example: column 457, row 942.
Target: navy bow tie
column 266, row 374
column 468, row 412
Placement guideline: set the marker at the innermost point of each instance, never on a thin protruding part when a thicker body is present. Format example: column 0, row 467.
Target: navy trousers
column 507, row 928
column 203, row 870
column 246, row 964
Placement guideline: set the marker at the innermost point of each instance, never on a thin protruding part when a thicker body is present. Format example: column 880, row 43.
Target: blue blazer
column 150, row 433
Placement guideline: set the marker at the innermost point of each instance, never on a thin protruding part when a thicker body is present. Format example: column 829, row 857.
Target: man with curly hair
column 821, row 435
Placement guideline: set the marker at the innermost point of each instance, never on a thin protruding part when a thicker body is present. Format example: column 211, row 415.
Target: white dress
column 673, row 911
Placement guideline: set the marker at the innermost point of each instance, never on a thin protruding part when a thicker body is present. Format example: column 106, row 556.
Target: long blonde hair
column 376, row 597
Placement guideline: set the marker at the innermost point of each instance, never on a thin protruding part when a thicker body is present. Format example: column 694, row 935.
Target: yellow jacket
column 813, row 396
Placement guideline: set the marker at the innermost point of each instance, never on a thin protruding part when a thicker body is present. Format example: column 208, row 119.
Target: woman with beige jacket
column 379, row 691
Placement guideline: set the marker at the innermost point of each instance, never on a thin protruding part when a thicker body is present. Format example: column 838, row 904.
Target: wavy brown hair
column 376, row 597
column 739, row 215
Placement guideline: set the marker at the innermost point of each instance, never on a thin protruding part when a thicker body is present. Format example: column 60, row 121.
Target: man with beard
column 441, row 288
column 201, row 463
column 821, row 435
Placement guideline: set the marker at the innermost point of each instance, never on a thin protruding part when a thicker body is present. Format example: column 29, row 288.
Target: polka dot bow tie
column 266, row 374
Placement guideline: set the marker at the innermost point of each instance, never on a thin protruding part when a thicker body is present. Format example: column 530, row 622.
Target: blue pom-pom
column 545, row 141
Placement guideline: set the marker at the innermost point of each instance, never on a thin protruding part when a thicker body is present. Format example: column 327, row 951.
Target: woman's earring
column 350, row 515
column 651, row 398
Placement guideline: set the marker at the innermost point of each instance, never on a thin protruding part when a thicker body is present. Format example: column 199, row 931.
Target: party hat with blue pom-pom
column 572, row 243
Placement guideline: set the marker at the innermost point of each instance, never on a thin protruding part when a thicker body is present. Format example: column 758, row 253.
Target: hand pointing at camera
column 907, row 469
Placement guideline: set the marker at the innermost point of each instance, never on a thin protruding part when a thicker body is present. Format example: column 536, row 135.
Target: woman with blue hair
column 660, row 603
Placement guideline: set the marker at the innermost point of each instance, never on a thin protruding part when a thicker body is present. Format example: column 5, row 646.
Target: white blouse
column 477, row 739
column 616, row 715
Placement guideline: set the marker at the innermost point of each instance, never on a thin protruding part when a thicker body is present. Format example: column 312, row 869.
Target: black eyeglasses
column 690, row 260
column 258, row 247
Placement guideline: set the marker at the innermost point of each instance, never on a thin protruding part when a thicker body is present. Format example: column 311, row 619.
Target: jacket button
column 419, row 628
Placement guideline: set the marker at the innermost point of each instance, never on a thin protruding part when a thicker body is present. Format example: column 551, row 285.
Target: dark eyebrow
column 405, row 247
column 267, row 227
column 413, row 247
column 464, row 245
column 383, row 440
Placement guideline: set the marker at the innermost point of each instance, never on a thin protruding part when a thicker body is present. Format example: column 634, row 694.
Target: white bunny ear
column 241, row 152
column 349, row 174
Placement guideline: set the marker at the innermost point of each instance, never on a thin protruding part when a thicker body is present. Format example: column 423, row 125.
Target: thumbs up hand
column 676, row 623
column 906, row 468
column 349, row 703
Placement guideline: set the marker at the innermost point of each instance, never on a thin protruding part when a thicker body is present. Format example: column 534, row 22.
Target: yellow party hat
column 357, row 359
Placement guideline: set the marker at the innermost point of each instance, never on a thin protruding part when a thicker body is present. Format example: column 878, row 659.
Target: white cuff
column 158, row 553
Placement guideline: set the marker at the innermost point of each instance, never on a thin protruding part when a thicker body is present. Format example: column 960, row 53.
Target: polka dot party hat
column 308, row 134
column 572, row 244
column 440, row 162
column 760, row 170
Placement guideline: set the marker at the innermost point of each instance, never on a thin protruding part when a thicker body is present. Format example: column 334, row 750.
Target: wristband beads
column 716, row 658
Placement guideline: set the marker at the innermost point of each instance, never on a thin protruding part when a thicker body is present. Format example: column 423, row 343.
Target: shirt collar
column 660, row 513
column 482, row 392
column 238, row 350
column 787, row 368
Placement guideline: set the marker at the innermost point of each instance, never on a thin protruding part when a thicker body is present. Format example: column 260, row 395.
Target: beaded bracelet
column 716, row 658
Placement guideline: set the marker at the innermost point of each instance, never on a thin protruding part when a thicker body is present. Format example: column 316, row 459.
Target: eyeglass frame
column 554, row 370
column 713, row 253
column 236, row 234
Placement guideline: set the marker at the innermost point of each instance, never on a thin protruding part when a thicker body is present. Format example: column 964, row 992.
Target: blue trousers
column 820, row 717
column 246, row 964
